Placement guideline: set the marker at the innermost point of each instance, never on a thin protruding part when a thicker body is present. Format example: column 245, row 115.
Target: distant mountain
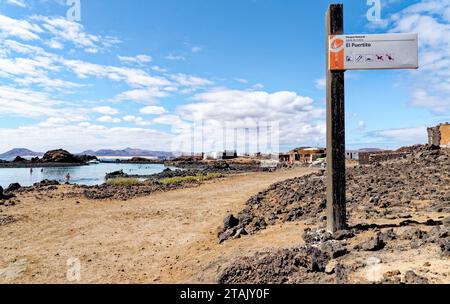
column 20, row 152
column 128, row 152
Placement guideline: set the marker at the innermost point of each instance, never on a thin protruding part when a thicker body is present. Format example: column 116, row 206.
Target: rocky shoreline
column 150, row 184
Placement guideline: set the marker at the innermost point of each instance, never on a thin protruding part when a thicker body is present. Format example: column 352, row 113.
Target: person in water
column 67, row 178
column 31, row 170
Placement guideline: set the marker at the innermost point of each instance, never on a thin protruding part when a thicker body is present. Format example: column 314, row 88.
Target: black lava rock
column 13, row 187
column 374, row 244
column 230, row 222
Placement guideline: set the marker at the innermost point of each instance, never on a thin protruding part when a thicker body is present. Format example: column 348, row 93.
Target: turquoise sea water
column 93, row 174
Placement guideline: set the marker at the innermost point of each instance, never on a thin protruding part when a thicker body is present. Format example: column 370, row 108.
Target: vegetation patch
column 199, row 177
column 124, row 181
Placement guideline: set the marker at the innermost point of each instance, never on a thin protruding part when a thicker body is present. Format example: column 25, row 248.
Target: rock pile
column 315, row 262
column 115, row 174
column 6, row 195
column 330, row 258
column 385, row 190
column 106, row 191
column 395, row 189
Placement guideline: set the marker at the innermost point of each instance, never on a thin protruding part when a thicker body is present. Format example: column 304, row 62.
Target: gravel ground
column 395, row 207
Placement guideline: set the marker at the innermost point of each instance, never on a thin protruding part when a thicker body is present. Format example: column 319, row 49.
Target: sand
column 166, row 237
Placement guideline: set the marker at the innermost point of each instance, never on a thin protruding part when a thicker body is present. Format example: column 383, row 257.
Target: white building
column 352, row 155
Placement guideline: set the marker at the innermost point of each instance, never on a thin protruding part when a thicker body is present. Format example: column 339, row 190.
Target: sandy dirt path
column 162, row 238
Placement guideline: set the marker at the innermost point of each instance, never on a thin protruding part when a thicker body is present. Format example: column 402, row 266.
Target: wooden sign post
column 353, row 52
column 336, row 210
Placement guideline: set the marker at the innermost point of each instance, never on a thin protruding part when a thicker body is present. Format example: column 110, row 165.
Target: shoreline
column 12, row 165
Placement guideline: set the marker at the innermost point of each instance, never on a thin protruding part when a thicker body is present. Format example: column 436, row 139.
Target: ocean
column 93, row 174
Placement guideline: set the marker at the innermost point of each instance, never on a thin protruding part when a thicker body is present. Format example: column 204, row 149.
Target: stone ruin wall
column 434, row 136
column 370, row 158
column 439, row 136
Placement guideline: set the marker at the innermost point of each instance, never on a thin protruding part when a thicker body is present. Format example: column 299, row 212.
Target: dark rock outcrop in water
column 52, row 158
column 63, row 156
column 19, row 159
column 115, row 174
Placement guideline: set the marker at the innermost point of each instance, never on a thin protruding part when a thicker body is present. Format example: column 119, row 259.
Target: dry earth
column 168, row 237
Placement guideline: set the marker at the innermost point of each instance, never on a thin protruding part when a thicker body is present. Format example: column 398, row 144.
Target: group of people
column 31, row 170
column 42, row 170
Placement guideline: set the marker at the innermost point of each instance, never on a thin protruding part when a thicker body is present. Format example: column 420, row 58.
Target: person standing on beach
column 31, row 170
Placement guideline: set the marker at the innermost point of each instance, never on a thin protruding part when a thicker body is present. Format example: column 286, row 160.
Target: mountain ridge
column 130, row 152
column 20, row 152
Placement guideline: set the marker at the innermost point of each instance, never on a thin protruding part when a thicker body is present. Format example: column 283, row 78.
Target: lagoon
column 93, row 174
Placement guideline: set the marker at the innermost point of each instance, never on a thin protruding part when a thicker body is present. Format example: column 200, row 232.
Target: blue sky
column 140, row 73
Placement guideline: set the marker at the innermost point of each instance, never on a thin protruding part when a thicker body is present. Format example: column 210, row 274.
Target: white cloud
column 139, row 59
column 64, row 30
column 109, row 119
column 258, row 86
column 175, row 57
column 159, row 69
column 153, row 110
column 430, row 85
column 241, row 80
column 141, row 95
column 300, row 122
column 29, row 103
column 321, row 83
column 421, row 98
column 30, row 71
column 20, row 3
column 22, row 29
column 196, row 49
column 26, row 103
column 399, row 137
column 12, row 45
column 106, row 110
column 136, row 120
column 191, row 81
column 55, row 44
column 362, row 125
column 134, row 77
column 168, row 120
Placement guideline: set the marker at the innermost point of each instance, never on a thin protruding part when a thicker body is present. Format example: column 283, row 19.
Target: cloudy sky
column 135, row 73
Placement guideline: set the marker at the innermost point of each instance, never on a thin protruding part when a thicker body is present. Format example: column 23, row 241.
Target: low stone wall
column 370, row 158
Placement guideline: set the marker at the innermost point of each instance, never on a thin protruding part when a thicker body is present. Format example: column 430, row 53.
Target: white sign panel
column 371, row 52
